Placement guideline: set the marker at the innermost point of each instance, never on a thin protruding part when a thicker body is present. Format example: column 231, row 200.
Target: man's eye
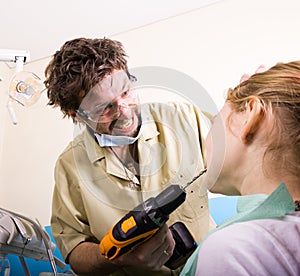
column 125, row 93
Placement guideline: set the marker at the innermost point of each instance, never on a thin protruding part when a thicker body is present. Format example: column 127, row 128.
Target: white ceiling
column 41, row 27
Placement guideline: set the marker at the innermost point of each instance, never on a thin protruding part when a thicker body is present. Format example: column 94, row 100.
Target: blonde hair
column 278, row 90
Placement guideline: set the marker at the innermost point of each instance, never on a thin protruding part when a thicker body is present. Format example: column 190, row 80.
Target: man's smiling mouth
column 123, row 124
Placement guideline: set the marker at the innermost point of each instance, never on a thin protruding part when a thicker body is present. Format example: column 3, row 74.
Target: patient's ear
column 254, row 115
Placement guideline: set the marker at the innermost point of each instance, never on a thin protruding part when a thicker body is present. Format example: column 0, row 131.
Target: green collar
column 261, row 206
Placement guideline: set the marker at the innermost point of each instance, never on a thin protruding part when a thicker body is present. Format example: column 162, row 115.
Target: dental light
column 24, row 87
column 14, row 55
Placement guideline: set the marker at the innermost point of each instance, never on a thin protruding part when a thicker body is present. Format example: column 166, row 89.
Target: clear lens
column 105, row 113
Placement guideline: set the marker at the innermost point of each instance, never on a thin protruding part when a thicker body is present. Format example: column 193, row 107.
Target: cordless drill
column 144, row 221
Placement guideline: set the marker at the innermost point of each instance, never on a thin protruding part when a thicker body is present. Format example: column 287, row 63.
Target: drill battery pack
column 185, row 245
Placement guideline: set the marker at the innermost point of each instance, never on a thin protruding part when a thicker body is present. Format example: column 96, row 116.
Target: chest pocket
column 195, row 204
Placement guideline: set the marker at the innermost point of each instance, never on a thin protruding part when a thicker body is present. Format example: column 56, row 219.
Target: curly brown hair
column 278, row 90
column 78, row 66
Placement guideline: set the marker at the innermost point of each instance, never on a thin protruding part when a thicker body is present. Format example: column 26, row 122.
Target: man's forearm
column 86, row 259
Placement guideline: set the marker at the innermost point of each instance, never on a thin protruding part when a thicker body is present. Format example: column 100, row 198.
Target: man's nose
column 122, row 106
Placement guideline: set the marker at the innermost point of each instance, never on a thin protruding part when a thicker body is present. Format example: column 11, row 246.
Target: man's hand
column 151, row 254
column 86, row 259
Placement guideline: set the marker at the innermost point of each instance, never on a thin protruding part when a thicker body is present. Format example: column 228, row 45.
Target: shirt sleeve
column 69, row 223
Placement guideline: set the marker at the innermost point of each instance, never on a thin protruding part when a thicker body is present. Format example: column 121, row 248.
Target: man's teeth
column 124, row 124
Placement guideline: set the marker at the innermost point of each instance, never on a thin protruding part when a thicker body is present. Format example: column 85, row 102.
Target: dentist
column 125, row 153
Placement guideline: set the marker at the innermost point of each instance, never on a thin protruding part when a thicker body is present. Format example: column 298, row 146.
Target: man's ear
column 75, row 117
column 72, row 114
column 254, row 114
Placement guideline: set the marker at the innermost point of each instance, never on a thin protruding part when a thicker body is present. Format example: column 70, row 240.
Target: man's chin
column 121, row 132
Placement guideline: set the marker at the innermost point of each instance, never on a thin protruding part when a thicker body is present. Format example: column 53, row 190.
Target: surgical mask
column 106, row 140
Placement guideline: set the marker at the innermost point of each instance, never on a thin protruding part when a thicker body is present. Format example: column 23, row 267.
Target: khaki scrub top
column 92, row 188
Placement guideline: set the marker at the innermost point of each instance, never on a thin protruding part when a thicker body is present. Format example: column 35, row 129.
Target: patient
column 254, row 151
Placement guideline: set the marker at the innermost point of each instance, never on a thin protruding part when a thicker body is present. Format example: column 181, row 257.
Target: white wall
column 29, row 152
column 214, row 45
